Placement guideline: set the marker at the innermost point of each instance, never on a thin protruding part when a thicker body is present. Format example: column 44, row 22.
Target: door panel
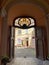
column 11, row 42
column 40, row 43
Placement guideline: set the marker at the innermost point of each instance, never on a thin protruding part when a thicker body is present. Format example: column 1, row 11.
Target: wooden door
column 11, row 42
column 40, row 43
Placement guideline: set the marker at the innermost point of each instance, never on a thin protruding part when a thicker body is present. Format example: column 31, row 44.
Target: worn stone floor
column 28, row 61
column 28, row 52
column 26, row 57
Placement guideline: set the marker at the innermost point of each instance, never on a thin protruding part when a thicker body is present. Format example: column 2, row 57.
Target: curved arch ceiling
column 26, row 9
column 44, row 3
column 41, row 3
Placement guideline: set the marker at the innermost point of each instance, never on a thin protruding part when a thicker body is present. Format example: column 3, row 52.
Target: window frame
column 24, row 17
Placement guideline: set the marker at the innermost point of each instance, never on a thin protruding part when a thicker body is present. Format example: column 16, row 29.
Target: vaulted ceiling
column 44, row 3
column 2, row 2
column 5, row 2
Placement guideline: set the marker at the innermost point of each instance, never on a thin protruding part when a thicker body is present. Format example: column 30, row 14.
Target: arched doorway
column 22, row 24
column 24, row 36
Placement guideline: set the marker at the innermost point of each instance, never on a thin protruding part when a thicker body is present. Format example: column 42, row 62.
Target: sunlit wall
column 25, row 37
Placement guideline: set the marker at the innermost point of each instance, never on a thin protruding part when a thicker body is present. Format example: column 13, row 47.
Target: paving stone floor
column 28, row 52
column 26, row 57
column 28, row 61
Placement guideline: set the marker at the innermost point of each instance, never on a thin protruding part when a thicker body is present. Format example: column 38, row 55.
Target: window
column 24, row 22
column 19, row 32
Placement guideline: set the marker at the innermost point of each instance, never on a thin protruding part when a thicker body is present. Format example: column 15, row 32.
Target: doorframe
column 35, row 33
column 28, row 28
column 35, row 39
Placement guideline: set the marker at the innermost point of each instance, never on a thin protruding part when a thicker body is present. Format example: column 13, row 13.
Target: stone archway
column 13, row 3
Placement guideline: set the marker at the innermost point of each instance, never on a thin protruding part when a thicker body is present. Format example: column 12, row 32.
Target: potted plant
column 48, row 57
column 5, row 60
